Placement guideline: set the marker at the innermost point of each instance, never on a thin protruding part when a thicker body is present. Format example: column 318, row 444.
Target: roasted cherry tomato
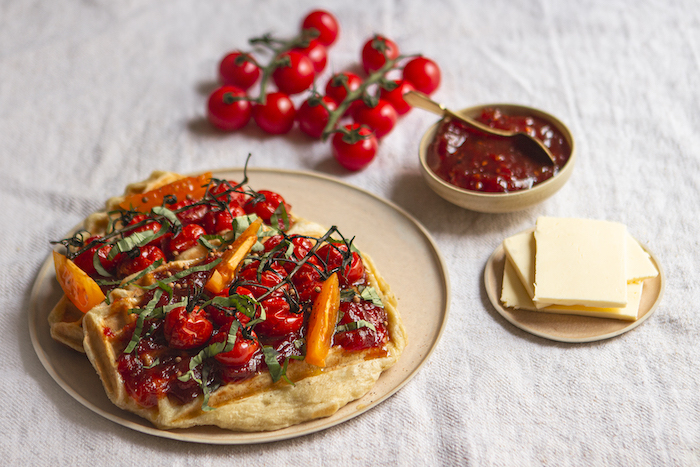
column 248, row 276
column 276, row 115
column 300, row 248
column 185, row 240
column 297, row 75
column 189, row 215
column 265, row 207
column 323, row 22
column 220, row 221
column 355, row 153
column 85, row 260
column 279, row 320
column 395, row 96
column 363, row 337
column 317, row 53
column 242, row 351
column 333, row 255
column 313, row 115
column 147, row 223
column 146, row 255
column 239, row 70
column 377, row 51
column 381, row 118
column 307, row 280
column 187, row 329
column 340, row 84
column 228, row 108
column 423, row 74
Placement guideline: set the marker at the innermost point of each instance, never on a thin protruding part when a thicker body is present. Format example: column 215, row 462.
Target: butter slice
column 580, row 262
column 514, row 295
column 639, row 264
column 520, row 251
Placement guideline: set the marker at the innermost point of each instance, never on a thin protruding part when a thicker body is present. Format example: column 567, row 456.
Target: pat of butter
column 514, row 295
column 580, row 262
column 639, row 264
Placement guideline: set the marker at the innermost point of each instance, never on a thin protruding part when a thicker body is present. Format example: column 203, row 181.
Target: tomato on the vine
column 340, row 84
column 186, row 239
column 381, row 118
column 355, row 147
column 276, row 115
column 279, row 319
column 295, row 76
column 377, row 51
column 317, row 53
column 187, row 329
column 423, row 74
column 85, row 259
column 323, row 22
column 143, row 257
column 239, row 69
column 395, row 96
column 265, row 206
column 228, row 108
column 242, row 351
column 313, row 115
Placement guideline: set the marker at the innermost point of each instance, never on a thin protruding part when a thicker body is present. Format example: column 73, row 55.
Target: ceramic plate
column 401, row 248
column 569, row 328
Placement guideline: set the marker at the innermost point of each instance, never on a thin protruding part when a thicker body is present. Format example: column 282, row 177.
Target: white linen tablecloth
column 94, row 95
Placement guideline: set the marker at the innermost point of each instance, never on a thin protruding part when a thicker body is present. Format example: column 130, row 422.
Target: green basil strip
column 134, row 240
column 370, row 294
column 184, row 273
column 276, row 370
column 242, row 303
column 355, row 325
column 98, row 264
column 280, row 213
column 143, row 314
column 168, row 214
column 155, row 363
column 138, row 276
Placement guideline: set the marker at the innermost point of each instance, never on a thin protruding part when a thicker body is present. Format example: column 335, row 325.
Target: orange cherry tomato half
column 194, row 187
column 324, row 316
column 80, row 288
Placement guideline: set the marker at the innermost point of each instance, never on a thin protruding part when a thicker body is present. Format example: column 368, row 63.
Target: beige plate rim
column 309, row 193
column 569, row 328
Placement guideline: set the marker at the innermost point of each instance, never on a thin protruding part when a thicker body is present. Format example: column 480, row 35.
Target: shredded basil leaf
column 371, row 295
column 355, row 325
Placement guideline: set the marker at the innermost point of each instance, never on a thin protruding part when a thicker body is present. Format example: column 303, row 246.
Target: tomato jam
column 470, row 159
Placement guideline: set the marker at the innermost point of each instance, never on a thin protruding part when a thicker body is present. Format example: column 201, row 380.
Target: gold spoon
column 532, row 145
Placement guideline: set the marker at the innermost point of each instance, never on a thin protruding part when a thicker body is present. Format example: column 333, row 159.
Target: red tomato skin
column 85, row 260
column 395, row 96
column 267, row 207
column 337, row 91
column 373, row 58
column 242, row 76
column 313, row 119
column 380, row 118
column 185, row 240
column 296, row 77
column 423, row 74
column 276, row 116
column 279, row 319
column 242, row 351
column 225, row 116
column 187, row 330
column 358, row 155
column 147, row 255
column 317, row 53
column 325, row 23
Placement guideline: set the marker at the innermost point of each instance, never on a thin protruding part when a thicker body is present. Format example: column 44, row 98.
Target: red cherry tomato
column 226, row 110
column 423, row 74
column 395, row 96
column 191, row 215
column 85, row 259
column 313, row 115
column 377, row 51
column 355, row 155
column 301, row 247
column 220, row 221
column 185, row 240
column 325, row 23
column 279, row 319
column 297, row 75
column 238, row 69
column 242, row 351
column 332, row 256
column 146, row 256
column 364, row 337
column 276, row 115
column 265, row 207
column 317, row 53
column 153, row 226
column 268, row 278
column 187, row 330
column 307, row 280
column 340, row 84
column 380, row 118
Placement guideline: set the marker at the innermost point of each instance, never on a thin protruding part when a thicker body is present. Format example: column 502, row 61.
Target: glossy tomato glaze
column 285, row 285
column 473, row 160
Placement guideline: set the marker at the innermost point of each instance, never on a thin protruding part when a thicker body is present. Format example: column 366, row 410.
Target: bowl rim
column 470, row 111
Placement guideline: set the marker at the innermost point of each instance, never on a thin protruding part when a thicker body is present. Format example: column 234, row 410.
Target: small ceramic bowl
column 498, row 202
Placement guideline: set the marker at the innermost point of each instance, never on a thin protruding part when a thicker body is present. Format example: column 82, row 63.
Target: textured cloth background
column 97, row 94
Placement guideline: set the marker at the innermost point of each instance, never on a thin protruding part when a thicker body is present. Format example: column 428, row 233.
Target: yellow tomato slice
column 324, row 316
column 195, row 187
column 80, row 288
column 225, row 272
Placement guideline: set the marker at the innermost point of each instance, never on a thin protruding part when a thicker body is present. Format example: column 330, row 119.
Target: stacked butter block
column 576, row 266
